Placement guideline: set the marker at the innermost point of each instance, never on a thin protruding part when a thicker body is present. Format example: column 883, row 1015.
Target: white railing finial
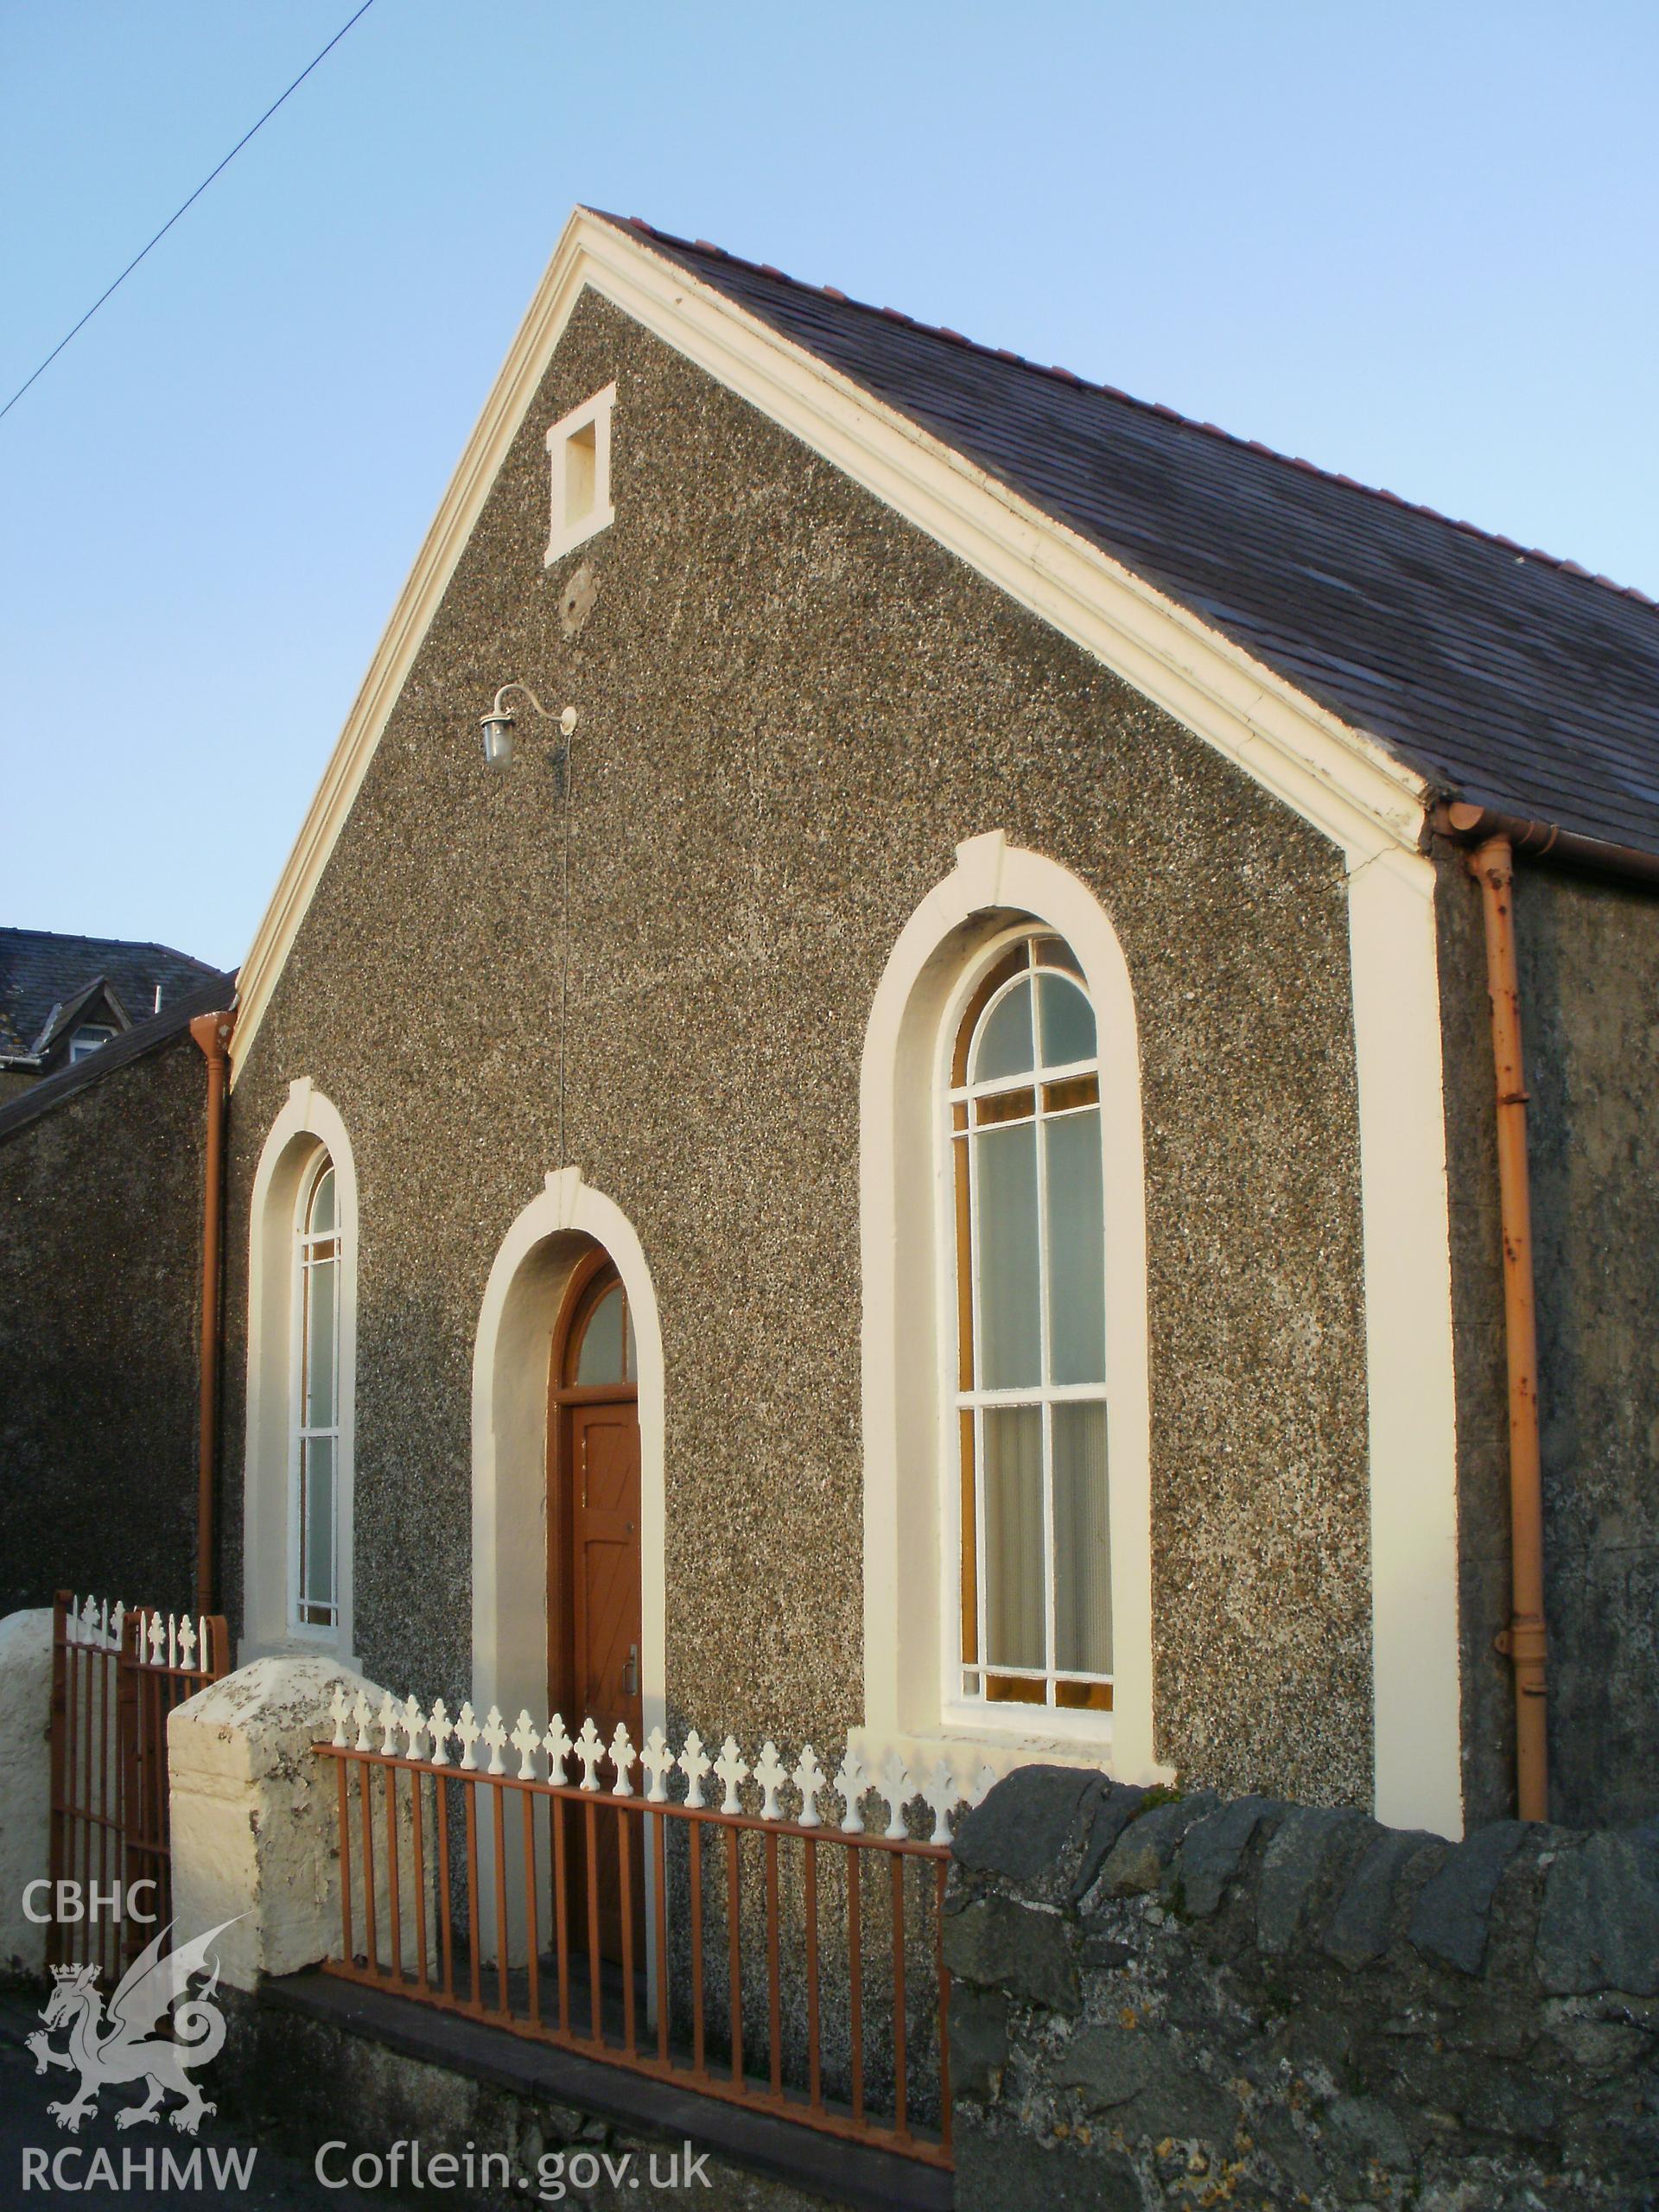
column 896, row 1786
column 590, row 1751
column 771, row 1774
column 732, row 1768
column 658, row 1760
column 557, row 1745
column 526, row 1740
column 441, row 1731
column 851, row 1783
column 693, row 1765
column 893, row 1781
column 622, row 1759
column 809, row 1779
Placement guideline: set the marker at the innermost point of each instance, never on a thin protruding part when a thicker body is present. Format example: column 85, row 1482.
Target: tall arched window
column 1029, row 1261
column 315, row 1459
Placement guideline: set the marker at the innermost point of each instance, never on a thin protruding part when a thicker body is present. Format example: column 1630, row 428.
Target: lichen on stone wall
column 1256, row 2004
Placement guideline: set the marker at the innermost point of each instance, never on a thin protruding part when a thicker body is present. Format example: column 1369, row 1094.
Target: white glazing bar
column 1045, row 1370
column 1057, row 1394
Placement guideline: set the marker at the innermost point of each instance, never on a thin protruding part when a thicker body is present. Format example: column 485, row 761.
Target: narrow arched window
column 1030, row 1267
column 316, row 1413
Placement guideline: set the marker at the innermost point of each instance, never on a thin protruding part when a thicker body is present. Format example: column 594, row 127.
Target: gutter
column 1467, row 824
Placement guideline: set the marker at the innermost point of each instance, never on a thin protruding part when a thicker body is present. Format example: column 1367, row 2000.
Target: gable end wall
column 794, row 706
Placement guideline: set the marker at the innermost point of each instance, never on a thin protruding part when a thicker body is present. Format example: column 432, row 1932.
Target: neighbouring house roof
column 209, row 992
column 46, row 979
column 1502, row 675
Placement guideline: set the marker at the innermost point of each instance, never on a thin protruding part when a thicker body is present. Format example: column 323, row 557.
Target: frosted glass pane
column 633, row 1350
column 1083, row 1549
column 317, row 1534
column 321, row 1290
column 322, row 1204
column 1010, row 1345
column 1004, row 1046
column 1015, row 1625
column 1077, row 1264
column 1068, row 1022
column 600, row 1357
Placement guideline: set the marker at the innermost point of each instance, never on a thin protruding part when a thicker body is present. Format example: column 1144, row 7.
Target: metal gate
column 116, row 1673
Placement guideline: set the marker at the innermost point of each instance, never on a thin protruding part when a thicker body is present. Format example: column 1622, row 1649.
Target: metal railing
column 783, row 1964
column 117, row 1673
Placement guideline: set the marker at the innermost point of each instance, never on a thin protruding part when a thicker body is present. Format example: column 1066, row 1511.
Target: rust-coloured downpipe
column 213, row 1034
column 1492, row 864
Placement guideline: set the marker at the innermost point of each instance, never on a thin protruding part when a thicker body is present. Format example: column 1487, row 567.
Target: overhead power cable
column 188, row 204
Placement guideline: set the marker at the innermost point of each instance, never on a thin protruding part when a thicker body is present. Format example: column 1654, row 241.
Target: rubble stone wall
column 1163, row 1999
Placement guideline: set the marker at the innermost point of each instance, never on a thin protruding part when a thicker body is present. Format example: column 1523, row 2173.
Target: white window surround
column 308, row 1125
column 579, row 475
column 520, row 1308
column 909, row 1349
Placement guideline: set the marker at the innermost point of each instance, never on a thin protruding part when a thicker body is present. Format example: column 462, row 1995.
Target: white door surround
column 522, row 1301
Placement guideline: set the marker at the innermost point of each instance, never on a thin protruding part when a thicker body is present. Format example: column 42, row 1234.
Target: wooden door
column 605, row 1564
column 593, row 1601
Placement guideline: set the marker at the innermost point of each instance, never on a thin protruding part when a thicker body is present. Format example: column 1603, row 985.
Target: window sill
column 577, row 534
column 966, row 1743
column 296, row 1644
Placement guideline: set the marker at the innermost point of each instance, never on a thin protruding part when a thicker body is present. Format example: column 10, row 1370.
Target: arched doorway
column 593, row 1609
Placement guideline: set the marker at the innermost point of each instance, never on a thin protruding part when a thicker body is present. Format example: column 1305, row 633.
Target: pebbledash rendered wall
column 1589, row 969
column 794, row 706
column 1260, row 2004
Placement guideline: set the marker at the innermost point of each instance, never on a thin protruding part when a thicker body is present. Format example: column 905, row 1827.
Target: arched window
column 302, row 1419
column 1028, row 1254
column 315, row 1458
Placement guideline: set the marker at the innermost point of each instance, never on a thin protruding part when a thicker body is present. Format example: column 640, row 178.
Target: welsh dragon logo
column 110, row 2049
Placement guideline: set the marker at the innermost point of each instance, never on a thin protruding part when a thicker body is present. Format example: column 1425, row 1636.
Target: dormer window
column 87, row 1040
column 579, row 452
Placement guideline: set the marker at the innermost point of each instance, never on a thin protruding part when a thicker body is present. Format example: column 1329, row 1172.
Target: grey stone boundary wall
column 1165, row 1999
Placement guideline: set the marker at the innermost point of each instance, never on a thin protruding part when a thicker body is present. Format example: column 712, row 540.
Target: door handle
column 631, row 1673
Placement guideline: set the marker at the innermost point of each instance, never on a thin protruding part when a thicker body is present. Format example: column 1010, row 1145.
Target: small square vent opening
column 579, row 452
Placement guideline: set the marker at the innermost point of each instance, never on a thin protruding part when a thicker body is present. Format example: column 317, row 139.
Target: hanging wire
column 188, row 205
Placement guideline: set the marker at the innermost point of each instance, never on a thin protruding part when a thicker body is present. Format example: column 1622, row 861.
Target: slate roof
column 209, row 992
column 1503, row 676
column 44, row 977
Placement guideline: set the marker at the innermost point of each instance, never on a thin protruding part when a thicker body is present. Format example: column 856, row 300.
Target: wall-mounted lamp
column 497, row 724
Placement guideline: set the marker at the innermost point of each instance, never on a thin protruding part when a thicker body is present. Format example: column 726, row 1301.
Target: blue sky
column 1416, row 244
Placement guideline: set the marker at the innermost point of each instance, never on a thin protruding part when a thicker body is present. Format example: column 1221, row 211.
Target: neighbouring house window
column 579, row 456
column 87, row 1040
column 316, row 1424
column 1029, row 1253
